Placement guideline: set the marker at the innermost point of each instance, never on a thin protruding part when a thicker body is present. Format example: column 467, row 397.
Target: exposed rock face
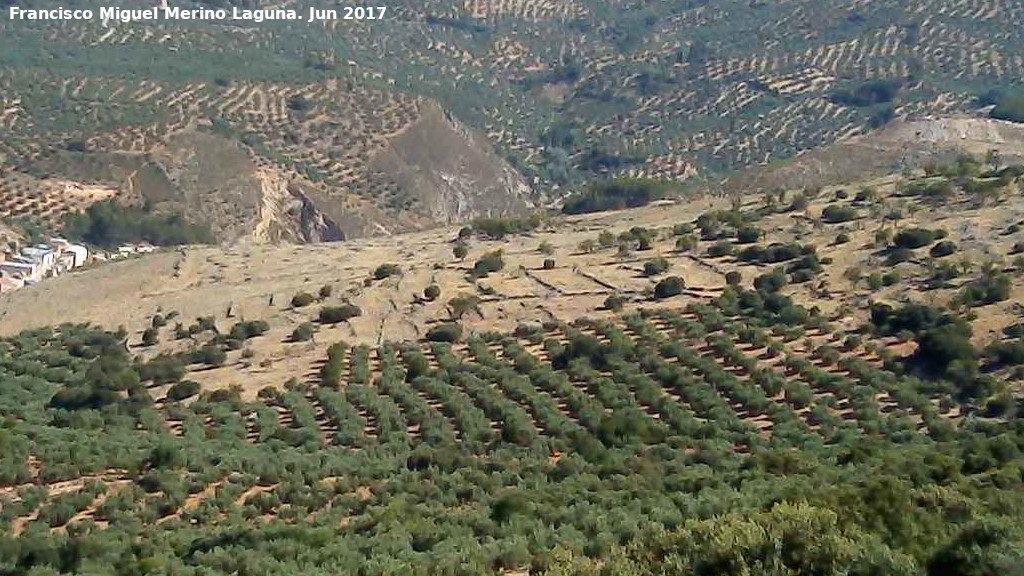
column 441, row 172
column 313, row 226
column 286, row 214
column 451, row 172
column 209, row 178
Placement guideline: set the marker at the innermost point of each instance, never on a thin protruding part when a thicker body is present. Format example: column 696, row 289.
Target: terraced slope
column 565, row 90
column 623, row 376
column 702, row 388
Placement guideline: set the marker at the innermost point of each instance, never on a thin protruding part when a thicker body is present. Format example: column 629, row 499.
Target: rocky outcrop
column 435, row 171
column 450, row 172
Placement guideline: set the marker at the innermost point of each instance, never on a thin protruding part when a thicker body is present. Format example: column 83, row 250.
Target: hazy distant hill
column 564, row 90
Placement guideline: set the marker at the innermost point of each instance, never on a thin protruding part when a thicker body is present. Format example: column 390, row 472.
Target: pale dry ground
column 980, row 234
column 209, row 281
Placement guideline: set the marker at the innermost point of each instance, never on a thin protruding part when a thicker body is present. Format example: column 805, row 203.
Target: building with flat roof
column 41, row 254
column 19, row 269
column 8, row 284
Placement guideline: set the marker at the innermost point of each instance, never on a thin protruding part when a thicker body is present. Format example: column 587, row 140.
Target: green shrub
column 509, row 505
column 946, row 351
column 932, row 191
column 774, row 253
column 914, row 238
column 302, row 299
column 899, row 255
column 299, row 103
column 1009, row 107
column 549, row 264
column 182, row 390
column 733, row 278
column 490, row 262
column 76, row 145
column 386, row 271
column 891, row 278
column 868, row 94
column 498, row 228
column 1006, row 353
column 720, row 248
column 801, row 276
column 336, row 314
column 614, row 302
column 163, row 369
column 988, row 290
column 669, row 287
column 998, row 407
column 943, row 249
column 748, row 235
column 303, row 332
column 656, row 266
column 616, row 195
column 330, row 372
column 1014, row 331
column 210, row 355
column 432, row 292
column 448, row 332
column 869, row 194
column 771, row 282
column 111, row 223
column 249, row 329
column 835, row 214
column 686, row 243
column 639, row 238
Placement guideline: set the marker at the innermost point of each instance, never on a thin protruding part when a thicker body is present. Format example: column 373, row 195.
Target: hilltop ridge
column 549, row 96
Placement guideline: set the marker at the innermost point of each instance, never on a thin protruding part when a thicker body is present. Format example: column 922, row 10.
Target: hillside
column 576, row 392
column 514, row 288
column 900, row 146
column 257, row 282
column 562, row 92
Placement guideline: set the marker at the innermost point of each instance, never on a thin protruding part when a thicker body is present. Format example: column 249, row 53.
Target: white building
column 8, row 284
column 129, row 249
column 41, row 255
column 34, row 263
column 20, row 270
column 79, row 255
